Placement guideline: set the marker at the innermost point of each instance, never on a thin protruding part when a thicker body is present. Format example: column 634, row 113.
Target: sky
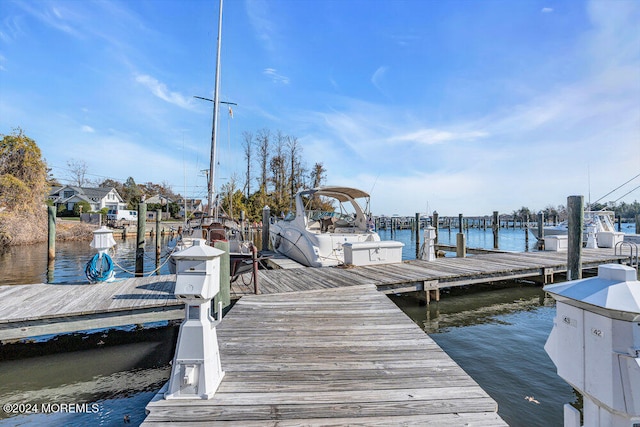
column 455, row 106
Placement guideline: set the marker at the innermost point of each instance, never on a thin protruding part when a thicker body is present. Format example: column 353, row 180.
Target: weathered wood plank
column 289, row 358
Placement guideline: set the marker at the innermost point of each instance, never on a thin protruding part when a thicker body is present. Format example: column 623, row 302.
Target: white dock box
column 557, row 243
column 370, row 253
column 609, row 239
column 595, row 343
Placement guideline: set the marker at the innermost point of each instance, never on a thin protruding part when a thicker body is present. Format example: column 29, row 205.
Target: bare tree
column 77, row 172
column 296, row 170
column 262, row 140
column 248, row 150
column 278, row 165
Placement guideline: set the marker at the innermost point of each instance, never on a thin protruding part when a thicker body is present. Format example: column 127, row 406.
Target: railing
column 633, row 252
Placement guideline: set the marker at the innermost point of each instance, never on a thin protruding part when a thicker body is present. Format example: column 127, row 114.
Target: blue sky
column 457, row 106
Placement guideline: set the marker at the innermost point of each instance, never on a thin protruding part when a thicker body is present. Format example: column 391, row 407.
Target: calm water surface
column 495, row 335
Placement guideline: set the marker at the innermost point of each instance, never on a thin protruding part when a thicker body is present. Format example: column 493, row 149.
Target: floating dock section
column 331, row 357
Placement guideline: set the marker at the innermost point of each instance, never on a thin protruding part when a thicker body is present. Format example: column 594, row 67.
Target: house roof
column 89, row 193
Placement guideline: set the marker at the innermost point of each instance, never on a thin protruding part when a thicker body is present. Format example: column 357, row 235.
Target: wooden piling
column 460, row 220
column 638, row 224
column 496, row 229
column 158, row 241
column 575, row 224
column 224, row 295
column 461, row 249
column 435, row 222
column 142, row 223
column 541, row 230
column 254, row 257
column 417, row 234
column 51, row 214
column 266, row 214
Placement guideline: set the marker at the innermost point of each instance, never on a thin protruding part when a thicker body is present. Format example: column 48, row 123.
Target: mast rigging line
column 617, row 188
column 627, row 193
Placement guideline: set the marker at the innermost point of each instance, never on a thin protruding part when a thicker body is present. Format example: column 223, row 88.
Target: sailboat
column 212, row 228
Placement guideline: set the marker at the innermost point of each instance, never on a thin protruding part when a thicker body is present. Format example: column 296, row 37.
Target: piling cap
column 199, row 250
column 102, row 239
column 615, row 289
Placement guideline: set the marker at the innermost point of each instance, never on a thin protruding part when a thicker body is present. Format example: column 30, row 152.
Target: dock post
column 254, row 256
column 142, row 228
column 638, row 224
column 266, row 214
column 158, row 241
column 51, row 213
column 461, row 249
column 435, row 224
column 460, row 222
column 224, row 295
column 540, row 230
column 574, row 250
column 496, row 228
column 417, row 231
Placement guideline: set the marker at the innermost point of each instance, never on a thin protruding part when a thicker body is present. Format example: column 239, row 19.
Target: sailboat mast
column 214, row 126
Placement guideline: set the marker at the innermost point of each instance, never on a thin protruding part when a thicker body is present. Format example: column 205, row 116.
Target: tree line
column 626, row 211
column 275, row 171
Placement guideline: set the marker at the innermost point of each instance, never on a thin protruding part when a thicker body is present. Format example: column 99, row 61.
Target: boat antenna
column 214, row 126
column 589, row 185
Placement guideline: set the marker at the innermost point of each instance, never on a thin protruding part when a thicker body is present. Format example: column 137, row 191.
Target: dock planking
column 39, row 309
column 343, row 356
column 440, row 273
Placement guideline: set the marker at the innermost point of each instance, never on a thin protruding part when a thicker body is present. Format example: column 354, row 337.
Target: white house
column 98, row 198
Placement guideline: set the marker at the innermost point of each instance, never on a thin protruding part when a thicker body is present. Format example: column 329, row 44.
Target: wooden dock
column 326, row 358
column 418, row 275
column 40, row 309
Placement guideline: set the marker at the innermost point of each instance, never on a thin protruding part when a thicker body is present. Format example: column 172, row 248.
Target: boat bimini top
column 342, row 194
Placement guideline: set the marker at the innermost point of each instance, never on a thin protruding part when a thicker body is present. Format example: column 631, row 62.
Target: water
column 102, row 384
column 28, row 264
column 495, row 335
column 509, row 239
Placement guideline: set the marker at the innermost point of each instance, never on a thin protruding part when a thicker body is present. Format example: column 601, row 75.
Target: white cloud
column 88, row 129
column 275, row 77
column 435, row 136
column 161, row 91
column 51, row 17
column 546, row 10
column 258, row 13
column 377, row 77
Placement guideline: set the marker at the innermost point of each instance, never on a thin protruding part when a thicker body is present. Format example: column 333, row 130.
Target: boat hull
column 314, row 250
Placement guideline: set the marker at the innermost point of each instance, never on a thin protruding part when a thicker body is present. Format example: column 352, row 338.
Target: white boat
column 601, row 220
column 316, row 236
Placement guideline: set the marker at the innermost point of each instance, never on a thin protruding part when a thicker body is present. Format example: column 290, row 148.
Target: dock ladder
column 633, row 252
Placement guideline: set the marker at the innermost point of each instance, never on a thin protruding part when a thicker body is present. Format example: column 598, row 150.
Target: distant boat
column 315, row 235
column 601, row 220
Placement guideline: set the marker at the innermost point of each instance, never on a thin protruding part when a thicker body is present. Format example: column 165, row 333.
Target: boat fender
column 276, row 241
